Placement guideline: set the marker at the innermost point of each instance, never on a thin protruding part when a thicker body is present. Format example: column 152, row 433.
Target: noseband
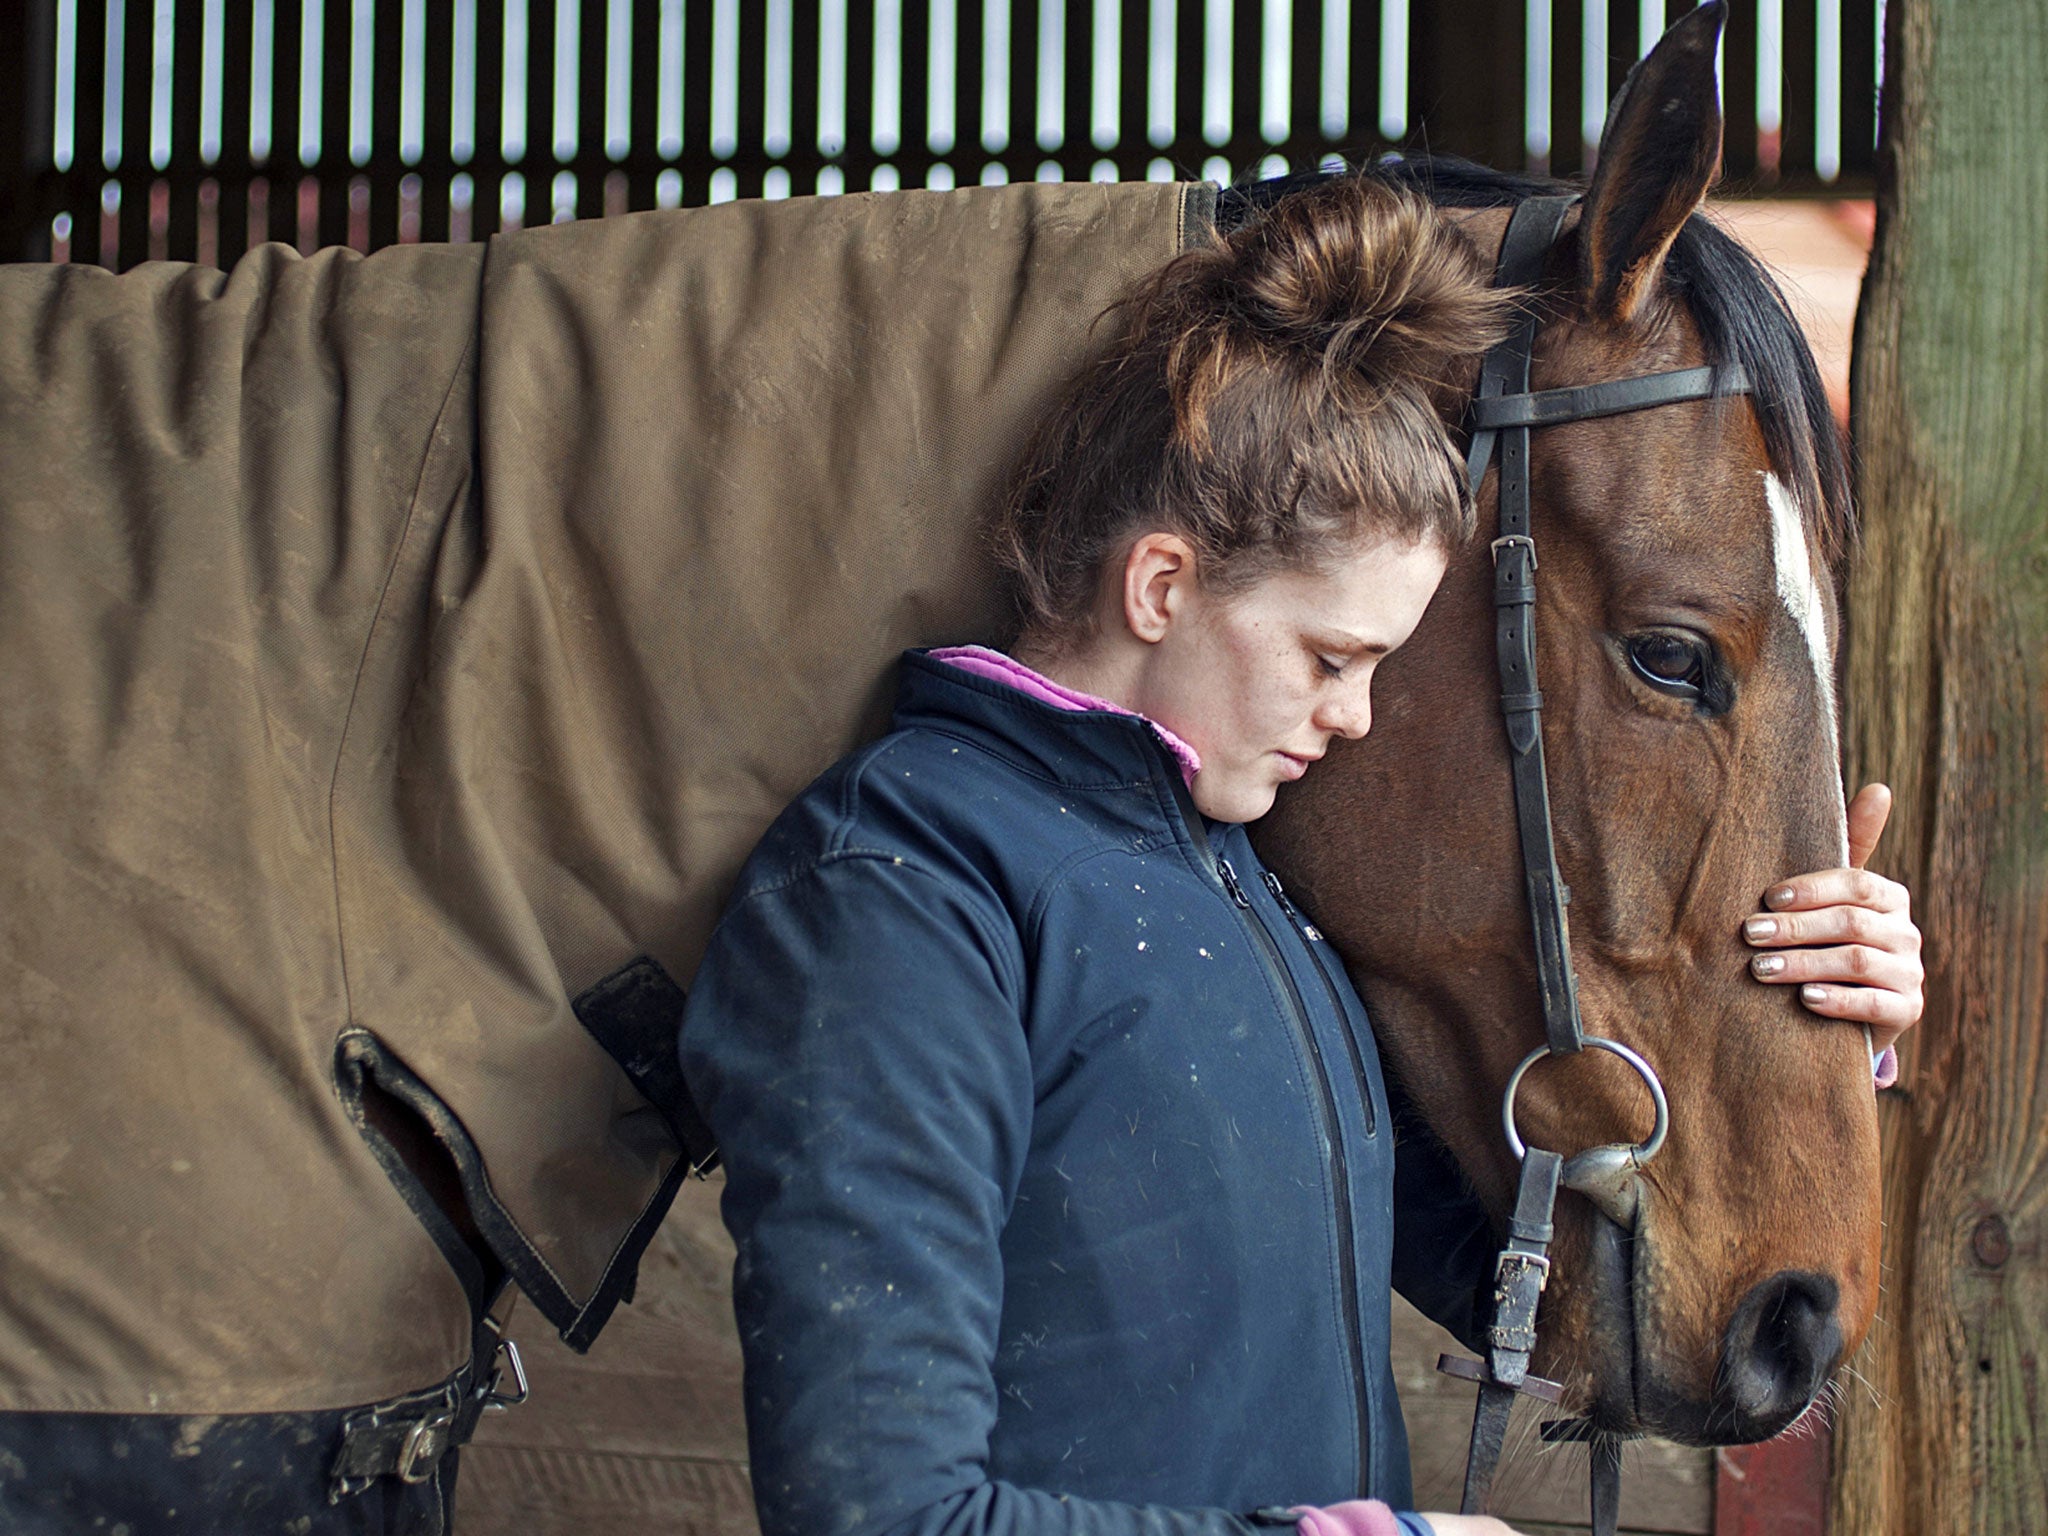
column 1502, row 414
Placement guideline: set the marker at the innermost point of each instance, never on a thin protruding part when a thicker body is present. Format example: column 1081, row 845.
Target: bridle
column 1503, row 412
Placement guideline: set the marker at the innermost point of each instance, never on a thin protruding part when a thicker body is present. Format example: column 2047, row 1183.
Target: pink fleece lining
column 999, row 668
column 1885, row 1071
column 1354, row 1517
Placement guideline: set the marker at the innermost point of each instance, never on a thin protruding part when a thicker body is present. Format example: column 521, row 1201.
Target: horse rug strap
column 407, row 1436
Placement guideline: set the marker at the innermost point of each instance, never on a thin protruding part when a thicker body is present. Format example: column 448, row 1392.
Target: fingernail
column 1767, row 965
column 1781, row 897
column 1761, row 928
column 1813, row 994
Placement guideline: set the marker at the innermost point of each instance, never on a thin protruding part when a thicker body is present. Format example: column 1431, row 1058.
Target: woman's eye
column 1330, row 666
column 1670, row 663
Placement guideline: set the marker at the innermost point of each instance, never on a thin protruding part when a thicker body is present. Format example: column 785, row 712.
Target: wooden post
column 1941, row 1428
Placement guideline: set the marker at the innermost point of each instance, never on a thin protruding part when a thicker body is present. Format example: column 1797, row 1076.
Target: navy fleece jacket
column 1058, row 1157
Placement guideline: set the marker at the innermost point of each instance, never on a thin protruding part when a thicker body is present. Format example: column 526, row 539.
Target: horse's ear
column 1659, row 152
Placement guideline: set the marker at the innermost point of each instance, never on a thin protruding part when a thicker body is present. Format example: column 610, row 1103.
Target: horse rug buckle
column 422, row 1448
column 405, row 1439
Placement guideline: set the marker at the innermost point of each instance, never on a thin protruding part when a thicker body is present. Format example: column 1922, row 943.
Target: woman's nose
column 1349, row 716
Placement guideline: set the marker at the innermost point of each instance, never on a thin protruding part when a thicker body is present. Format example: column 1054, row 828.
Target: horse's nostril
column 1782, row 1344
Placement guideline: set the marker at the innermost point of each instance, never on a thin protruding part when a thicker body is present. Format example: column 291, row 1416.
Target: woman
column 1003, row 1034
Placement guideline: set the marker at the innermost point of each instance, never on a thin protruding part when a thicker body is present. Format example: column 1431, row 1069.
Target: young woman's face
column 1259, row 681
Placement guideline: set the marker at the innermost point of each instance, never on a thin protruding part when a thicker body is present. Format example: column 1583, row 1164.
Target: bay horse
column 1685, row 634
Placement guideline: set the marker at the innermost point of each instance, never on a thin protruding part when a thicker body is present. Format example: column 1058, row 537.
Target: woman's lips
column 1293, row 766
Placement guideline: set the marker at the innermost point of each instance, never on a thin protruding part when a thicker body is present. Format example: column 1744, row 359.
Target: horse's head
column 1686, row 627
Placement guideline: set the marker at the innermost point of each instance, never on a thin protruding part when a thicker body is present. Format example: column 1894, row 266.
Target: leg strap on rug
column 406, row 1437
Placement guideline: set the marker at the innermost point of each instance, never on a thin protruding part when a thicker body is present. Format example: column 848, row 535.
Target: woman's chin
column 1238, row 799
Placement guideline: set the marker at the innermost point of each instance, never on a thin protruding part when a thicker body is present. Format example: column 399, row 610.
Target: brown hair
column 1276, row 393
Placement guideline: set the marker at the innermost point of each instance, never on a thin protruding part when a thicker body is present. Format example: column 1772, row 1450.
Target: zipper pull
column 1230, row 884
column 1287, row 905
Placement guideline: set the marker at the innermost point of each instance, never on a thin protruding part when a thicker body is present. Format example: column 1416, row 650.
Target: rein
column 1501, row 416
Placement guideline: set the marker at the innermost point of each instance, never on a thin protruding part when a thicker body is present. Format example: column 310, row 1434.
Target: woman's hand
column 1845, row 937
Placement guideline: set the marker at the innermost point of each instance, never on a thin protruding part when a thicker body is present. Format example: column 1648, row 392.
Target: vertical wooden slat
column 88, row 106
column 1305, row 94
column 1362, row 133
column 1133, row 149
column 1623, row 48
column 186, row 59
column 489, row 163
column 136, row 172
column 1247, row 47
column 915, row 157
column 804, row 64
column 751, row 97
column 539, row 164
column 89, row 90
column 1859, row 92
column 1567, row 71
column 1077, row 66
column 697, row 20
column 860, row 86
column 1796, row 162
column 592, row 63
column 283, row 165
column 1022, row 154
column 233, row 166
column 334, row 169
column 437, row 109
column 386, row 168
column 1188, row 150
column 1738, row 100
column 642, row 160
column 1463, row 99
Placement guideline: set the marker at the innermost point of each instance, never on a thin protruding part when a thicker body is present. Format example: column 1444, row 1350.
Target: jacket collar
column 1081, row 749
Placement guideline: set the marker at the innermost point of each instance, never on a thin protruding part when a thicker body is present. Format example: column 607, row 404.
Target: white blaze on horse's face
column 1800, row 590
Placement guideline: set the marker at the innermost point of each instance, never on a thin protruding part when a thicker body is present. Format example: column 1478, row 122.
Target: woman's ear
column 1159, row 578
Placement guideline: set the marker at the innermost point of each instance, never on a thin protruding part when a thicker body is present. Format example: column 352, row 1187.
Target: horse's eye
column 1670, row 663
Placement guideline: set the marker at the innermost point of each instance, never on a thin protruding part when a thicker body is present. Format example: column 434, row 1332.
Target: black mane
column 1741, row 314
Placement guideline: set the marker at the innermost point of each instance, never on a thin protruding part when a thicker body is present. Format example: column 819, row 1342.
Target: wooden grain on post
column 1947, row 666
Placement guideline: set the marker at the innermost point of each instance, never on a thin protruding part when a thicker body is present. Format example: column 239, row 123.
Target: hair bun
column 1380, row 285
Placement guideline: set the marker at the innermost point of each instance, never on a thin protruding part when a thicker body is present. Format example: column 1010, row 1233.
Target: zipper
column 1340, row 1175
column 1315, row 934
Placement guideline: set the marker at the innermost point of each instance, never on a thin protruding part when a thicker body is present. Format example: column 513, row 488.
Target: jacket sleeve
column 854, row 1038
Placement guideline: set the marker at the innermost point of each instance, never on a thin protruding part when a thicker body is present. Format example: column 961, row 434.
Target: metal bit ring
column 1645, row 1150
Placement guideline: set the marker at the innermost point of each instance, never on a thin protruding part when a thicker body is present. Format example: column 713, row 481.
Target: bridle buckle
column 1511, row 539
column 1510, row 1267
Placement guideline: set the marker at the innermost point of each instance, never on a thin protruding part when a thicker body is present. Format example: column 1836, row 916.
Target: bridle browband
column 1503, row 412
